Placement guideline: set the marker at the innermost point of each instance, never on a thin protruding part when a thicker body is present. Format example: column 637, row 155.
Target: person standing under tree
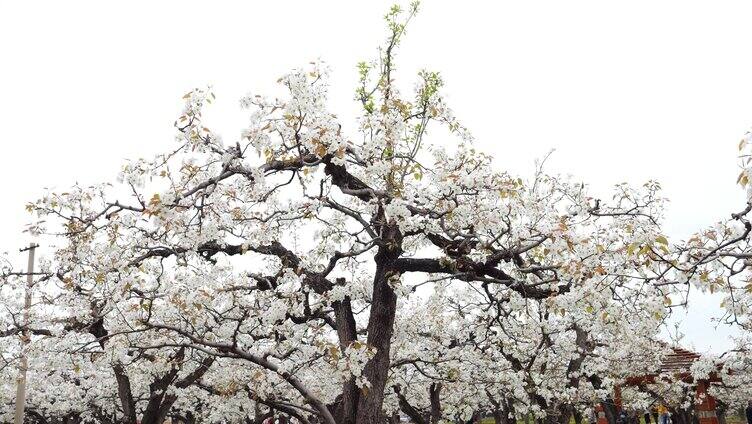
column 662, row 414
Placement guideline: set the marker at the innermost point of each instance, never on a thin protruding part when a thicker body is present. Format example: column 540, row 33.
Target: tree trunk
column 380, row 328
column 720, row 411
column 558, row 415
column 609, row 409
column 501, row 416
column 497, row 416
column 345, row 411
column 435, row 395
column 578, row 416
column 678, row 417
column 125, row 395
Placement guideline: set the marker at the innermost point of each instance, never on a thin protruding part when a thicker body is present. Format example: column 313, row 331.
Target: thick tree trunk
column 558, row 415
column 345, row 412
column 502, row 411
column 501, row 416
column 164, row 409
column 124, row 394
column 159, row 403
column 158, row 406
column 380, row 328
column 435, row 395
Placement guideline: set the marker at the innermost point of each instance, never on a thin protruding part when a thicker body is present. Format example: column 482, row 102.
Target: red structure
column 677, row 363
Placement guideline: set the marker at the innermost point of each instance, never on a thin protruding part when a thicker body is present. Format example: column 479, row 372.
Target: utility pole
column 25, row 338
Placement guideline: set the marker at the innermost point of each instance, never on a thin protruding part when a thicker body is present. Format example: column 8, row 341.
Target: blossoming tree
column 338, row 273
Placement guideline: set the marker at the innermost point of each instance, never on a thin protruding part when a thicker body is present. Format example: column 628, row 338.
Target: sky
column 621, row 91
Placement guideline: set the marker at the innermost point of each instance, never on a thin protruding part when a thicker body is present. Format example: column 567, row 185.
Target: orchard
column 318, row 271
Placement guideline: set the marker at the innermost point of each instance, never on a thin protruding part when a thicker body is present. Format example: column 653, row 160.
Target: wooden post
column 25, row 339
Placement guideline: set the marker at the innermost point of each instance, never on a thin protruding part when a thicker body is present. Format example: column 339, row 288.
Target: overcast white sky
column 624, row 91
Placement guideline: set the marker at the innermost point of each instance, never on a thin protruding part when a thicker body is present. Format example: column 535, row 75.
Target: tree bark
column 125, row 395
column 720, row 411
column 578, row 416
column 346, row 410
column 609, row 409
column 435, row 395
column 380, row 327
